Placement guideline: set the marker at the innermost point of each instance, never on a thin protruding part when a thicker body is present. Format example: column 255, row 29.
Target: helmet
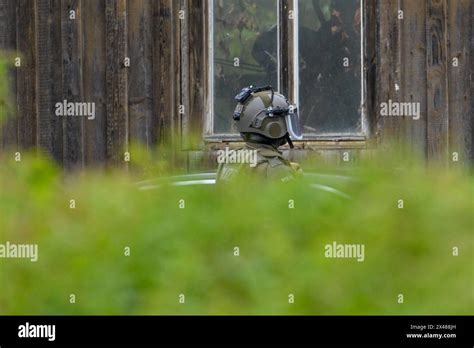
column 262, row 111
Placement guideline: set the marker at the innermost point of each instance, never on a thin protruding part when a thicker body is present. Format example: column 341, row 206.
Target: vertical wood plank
column 163, row 64
column 460, row 55
column 72, row 49
column 369, row 61
column 116, row 81
column 471, row 113
column 26, row 74
column 94, row 81
column 388, row 46
column 437, row 100
column 197, row 69
column 186, row 142
column 8, row 131
column 111, row 83
column 413, row 74
column 140, row 43
column 54, row 27
column 48, row 72
column 122, row 52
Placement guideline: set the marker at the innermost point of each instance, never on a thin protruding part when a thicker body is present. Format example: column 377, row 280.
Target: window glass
column 329, row 66
column 245, row 52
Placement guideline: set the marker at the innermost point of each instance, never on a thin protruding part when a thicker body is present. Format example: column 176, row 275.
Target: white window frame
column 208, row 122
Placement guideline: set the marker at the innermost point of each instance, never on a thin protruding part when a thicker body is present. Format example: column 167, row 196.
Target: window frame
column 287, row 46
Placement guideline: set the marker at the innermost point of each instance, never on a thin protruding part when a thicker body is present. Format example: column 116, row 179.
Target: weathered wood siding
column 415, row 62
column 83, row 59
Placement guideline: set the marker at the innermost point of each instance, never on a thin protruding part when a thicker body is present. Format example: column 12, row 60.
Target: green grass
column 190, row 250
column 81, row 251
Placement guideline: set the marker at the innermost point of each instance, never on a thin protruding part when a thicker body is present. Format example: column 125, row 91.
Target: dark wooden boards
column 26, row 74
column 388, row 76
column 437, row 101
column 165, row 80
column 72, row 55
column 49, row 86
column 95, row 134
column 116, row 80
column 415, row 64
column 198, row 70
column 460, row 73
column 413, row 74
column 162, row 96
column 9, row 133
column 140, row 82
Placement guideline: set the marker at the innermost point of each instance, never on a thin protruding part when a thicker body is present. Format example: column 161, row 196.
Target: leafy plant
column 191, row 250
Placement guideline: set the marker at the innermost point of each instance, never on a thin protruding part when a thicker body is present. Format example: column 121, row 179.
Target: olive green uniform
column 270, row 166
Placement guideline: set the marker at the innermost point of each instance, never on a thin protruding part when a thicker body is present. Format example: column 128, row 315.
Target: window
column 329, row 51
column 245, row 33
column 325, row 43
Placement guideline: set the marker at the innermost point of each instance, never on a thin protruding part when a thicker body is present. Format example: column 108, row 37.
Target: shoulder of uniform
column 265, row 153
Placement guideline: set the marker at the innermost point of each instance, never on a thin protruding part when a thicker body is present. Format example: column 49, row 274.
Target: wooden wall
column 82, row 59
column 415, row 62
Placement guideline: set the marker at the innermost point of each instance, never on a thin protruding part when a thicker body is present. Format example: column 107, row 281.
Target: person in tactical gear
column 266, row 121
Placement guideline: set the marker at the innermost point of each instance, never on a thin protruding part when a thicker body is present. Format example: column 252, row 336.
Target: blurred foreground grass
column 191, row 251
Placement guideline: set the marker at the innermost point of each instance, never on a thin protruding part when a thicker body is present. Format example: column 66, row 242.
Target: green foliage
column 191, row 250
column 237, row 25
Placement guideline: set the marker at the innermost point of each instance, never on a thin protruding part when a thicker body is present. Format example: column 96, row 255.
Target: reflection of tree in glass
column 237, row 24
